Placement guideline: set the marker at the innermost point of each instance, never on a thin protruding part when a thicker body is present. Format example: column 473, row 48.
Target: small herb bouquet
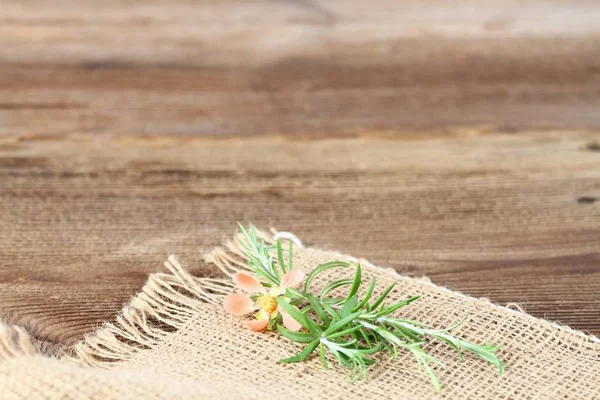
column 352, row 328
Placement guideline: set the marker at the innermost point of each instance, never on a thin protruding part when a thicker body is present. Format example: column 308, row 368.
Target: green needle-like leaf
column 344, row 332
column 323, row 267
column 318, row 309
column 298, row 337
column 392, row 308
column 421, row 361
column 334, row 285
column 294, row 294
column 322, row 354
column 303, row 355
column 330, row 311
column 368, row 295
column 356, row 282
column 280, row 257
column 341, row 323
column 349, row 305
column 382, row 297
column 272, row 324
column 300, row 318
column 364, row 335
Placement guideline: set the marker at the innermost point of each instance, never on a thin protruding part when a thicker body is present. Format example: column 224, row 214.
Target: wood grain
column 458, row 140
column 297, row 67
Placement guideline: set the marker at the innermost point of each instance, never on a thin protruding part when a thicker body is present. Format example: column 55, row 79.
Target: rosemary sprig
column 350, row 328
column 259, row 258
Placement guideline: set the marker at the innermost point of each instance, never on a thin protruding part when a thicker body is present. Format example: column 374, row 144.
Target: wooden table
column 458, row 140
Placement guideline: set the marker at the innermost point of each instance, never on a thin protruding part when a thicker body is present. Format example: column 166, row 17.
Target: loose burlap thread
column 174, row 341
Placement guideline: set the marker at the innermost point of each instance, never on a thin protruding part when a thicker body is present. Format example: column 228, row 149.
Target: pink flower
column 265, row 302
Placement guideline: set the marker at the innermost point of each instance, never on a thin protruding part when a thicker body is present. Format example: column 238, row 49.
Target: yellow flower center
column 267, row 303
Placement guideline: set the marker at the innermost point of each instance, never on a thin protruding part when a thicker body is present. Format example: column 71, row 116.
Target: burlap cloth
column 175, row 341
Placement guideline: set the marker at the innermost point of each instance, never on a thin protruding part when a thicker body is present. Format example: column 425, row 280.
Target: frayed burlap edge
column 168, row 301
column 15, row 341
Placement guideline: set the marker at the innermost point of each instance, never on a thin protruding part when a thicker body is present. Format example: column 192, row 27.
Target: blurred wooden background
column 454, row 139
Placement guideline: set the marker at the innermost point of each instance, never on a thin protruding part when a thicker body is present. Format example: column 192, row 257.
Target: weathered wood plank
column 297, row 67
column 85, row 219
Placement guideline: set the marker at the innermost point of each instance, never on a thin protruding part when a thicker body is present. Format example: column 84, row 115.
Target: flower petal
column 248, row 283
column 289, row 322
column 238, row 304
column 292, row 279
column 257, row 324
